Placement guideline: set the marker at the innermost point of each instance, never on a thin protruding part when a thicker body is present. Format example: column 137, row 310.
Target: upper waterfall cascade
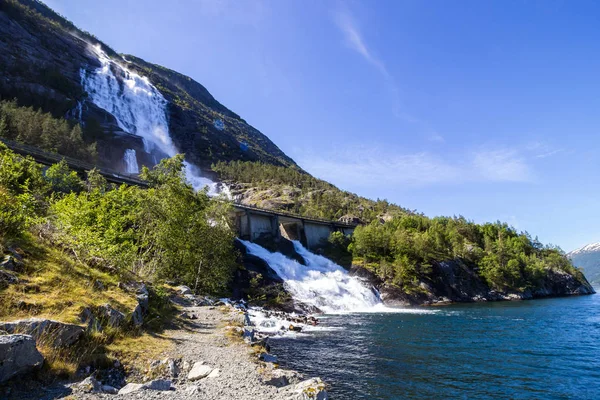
column 139, row 109
column 321, row 283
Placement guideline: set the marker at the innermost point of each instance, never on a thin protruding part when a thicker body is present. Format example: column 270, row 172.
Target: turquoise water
column 544, row 349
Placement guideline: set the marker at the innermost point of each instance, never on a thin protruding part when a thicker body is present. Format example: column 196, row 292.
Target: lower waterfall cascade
column 321, row 283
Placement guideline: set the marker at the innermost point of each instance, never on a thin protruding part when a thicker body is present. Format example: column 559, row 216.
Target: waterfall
column 131, row 165
column 320, row 283
column 139, row 109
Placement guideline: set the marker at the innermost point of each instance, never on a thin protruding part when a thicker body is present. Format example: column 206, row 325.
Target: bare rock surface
column 18, row 355
column 58, row 334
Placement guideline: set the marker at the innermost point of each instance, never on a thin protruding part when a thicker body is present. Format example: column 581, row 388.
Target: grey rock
column 90, row 385
column 137, row 316
column 109, row 389
column 87, row 317
column 199, row 371
column 11, row 263
column 313, row 389
column 142, row 300
column 282, row 377
column 267, row 358
column 18, row 355
column 184, row 290
column 158, row 385
column 56, row 333
column 7, row 278
column 110, row 316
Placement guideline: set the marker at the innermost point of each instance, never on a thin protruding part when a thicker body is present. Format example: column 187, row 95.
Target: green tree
column 63, row 179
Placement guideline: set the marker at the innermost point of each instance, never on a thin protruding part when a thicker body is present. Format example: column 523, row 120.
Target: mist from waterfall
column 321, row 283
column 139, row 109
column 131, row 164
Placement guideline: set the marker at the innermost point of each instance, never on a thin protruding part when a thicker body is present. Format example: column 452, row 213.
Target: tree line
column 403, row 249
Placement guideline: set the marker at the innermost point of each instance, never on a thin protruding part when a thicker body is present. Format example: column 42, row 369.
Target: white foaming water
column 131, row 165
column 139, row 108
column 322, row 283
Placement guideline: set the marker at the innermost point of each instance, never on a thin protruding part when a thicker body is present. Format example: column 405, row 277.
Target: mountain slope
column 43, row 56
column 588, row 258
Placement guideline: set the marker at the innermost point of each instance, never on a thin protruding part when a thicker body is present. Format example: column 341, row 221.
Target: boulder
column 90, row 385
column 159, row 385
column 313, row 389
column 137, row 317
column 7, row 278
column 199, row 371
column 282, row 377
column 87, row 317
column 110, row 316
column 11, row 263
column 18, row 355
column 184, row 290
column 267, row 358
column 56, row 333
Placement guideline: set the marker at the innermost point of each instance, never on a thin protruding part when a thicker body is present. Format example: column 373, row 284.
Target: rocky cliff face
column 455, row 281
column 42, row 58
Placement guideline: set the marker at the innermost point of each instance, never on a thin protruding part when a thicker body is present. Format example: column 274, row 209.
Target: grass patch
column 55, row 286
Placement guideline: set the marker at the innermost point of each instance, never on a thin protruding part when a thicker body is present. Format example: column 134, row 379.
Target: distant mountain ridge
column 588, row 258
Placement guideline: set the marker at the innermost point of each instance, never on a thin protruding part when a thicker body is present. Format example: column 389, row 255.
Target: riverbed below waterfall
column 525, row 349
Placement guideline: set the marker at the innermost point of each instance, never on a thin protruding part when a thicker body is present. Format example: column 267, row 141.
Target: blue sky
column 487, row 109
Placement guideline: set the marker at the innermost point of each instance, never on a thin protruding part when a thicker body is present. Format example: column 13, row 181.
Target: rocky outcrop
column 456, row 281
column 54, row 333
column 18, row 355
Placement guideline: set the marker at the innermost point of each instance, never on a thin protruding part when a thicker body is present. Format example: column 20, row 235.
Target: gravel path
column 204, row 339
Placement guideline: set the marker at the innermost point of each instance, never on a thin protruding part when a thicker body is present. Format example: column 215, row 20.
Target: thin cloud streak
column 373, row 168
column 355, row 40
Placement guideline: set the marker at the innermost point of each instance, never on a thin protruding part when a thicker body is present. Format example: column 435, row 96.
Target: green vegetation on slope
column 166, row 232
column 403, row 249
column 28, row 126
column 293, row 190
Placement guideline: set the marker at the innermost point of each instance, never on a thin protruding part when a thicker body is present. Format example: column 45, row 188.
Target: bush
column 165, row 232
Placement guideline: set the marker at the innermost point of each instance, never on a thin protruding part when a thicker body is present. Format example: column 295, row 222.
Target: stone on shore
column 268, row 358
column 199, row 371
column 282, row 377
column 56, row 333
column 313, row 389
column 18, row 355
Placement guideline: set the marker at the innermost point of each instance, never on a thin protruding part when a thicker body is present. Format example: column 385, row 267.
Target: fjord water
column 543, row 349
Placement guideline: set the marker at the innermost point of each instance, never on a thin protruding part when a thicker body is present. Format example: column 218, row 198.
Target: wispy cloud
column 375, row 167
column 355, row 40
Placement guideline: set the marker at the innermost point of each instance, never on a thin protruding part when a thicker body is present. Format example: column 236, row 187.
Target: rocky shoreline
column 219, row 353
